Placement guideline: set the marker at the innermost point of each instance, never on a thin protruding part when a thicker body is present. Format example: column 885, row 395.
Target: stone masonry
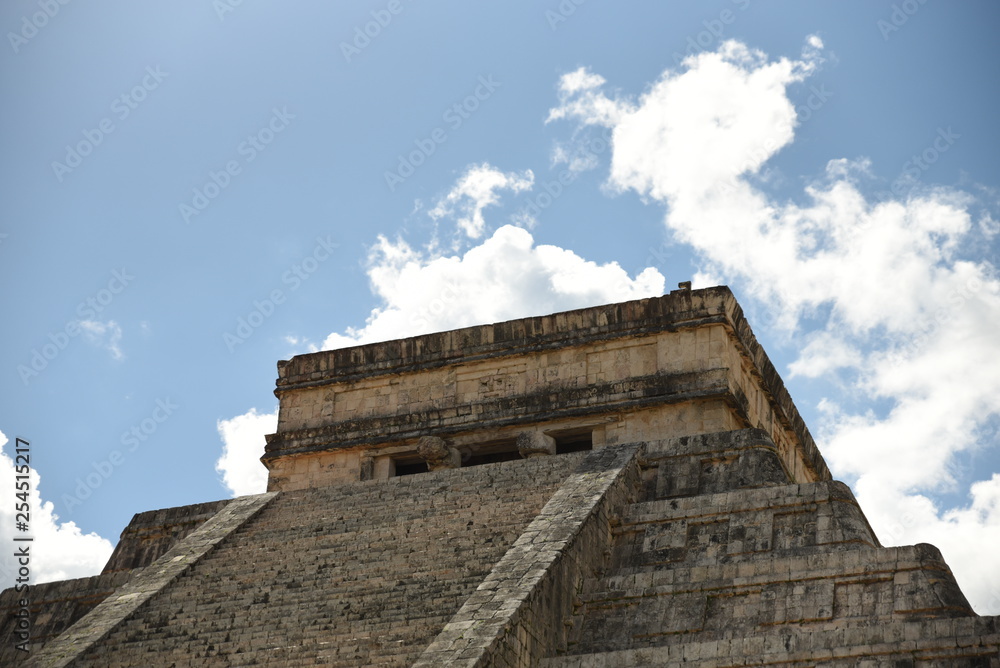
column 623, row 485
column 686, row 363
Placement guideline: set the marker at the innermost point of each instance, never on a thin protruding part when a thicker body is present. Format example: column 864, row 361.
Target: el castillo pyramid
column 623, row 485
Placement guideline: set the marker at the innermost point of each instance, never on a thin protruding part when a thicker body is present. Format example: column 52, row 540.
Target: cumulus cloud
column 823, row 354
column 60, row 550
column 906, row 318
column 474, row 191
column 505, row 277
column 243, row 444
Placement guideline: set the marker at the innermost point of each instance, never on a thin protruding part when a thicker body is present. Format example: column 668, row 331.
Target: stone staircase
column 356, row 574
column 727, row 563
column 696, row 550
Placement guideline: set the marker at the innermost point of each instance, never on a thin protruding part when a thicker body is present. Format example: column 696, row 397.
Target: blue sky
column 194, row 191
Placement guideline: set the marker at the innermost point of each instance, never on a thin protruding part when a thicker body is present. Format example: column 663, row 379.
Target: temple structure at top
column 683, row 364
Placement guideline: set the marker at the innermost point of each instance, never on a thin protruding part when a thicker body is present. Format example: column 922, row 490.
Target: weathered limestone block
column 732, row 573
column 438, row 454
column 535, row 444
column 718, row 462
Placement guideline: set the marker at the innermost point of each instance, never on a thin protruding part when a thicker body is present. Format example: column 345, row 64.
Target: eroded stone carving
column 535, row 444
column 438, row 454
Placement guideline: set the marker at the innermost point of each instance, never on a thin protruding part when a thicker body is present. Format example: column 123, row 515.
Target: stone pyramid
column 623, row 485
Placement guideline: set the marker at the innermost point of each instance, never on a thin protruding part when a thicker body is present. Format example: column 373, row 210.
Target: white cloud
column 107, row 335
column 911, row 321
column 474, row 191
column 243, row 445
column 579, row 98
column 505, row 277
column 60, row 550
column 824, row 354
